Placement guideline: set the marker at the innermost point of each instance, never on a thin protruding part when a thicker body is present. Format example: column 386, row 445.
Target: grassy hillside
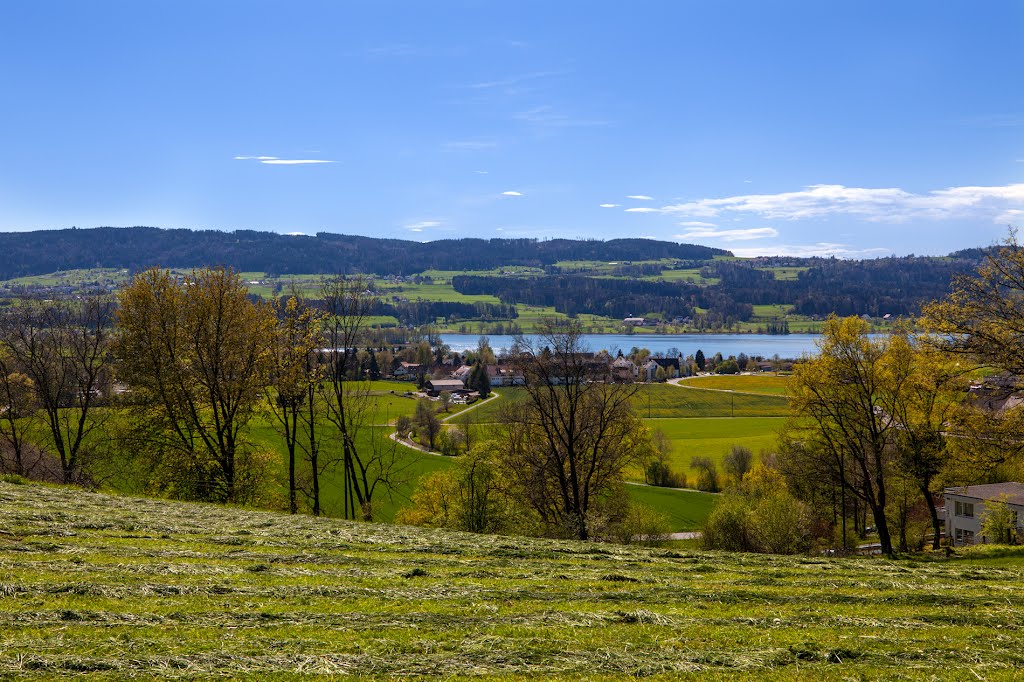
column 121, row 587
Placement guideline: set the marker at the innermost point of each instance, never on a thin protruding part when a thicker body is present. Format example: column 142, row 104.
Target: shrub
column 661, row 474
column 641, row 525
column 727, row 526
column 707, row 474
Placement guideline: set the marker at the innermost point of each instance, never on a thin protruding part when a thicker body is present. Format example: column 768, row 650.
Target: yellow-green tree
column 292, row 396
column 981, row 324
column 195, row 351
column 842, row 428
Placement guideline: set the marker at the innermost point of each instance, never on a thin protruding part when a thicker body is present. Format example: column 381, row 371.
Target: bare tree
column 568, row 443
column 63, row 350
column 367, row 462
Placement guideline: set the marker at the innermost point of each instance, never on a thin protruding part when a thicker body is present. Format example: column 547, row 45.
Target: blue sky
column 854, row 129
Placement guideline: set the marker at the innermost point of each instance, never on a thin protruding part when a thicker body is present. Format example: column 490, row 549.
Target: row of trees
column 167, row 381
column 880, row 425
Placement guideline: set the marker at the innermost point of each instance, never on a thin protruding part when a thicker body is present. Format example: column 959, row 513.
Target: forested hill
column 33, row 253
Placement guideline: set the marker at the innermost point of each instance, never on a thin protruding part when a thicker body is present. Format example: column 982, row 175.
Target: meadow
column 695, row 420
column 769, row 384
column 131, row 588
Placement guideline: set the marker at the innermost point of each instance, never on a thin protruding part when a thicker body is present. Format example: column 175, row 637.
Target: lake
column 788, row 346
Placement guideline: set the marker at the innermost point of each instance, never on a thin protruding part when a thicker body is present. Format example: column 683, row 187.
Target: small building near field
column 437, row 386
column 966, row 510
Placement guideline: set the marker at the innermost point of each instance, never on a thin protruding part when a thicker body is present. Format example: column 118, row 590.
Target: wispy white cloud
column 481, row 172
column 516, row 79
column 421, row 225
column 696, row 223
column 293, row 162
column 820, row 249
column 512, row 193
column 547, row 116
column 295, row 234
column 470, row 145
column 874, row 204
column 277, row 161
column 643, row 209
column 640, row 197
column 729, row 235
column 610, row 205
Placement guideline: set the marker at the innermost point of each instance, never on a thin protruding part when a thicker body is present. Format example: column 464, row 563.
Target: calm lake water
column 789, row 346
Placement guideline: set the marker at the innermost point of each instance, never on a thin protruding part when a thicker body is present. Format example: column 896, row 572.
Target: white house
column 965, row 509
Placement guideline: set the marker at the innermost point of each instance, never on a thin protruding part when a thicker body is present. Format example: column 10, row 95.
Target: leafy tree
column 567, row 443
column 479, row 380
column 981, row 323
column 928, row 406
column 658, row 471
column 195, row 352
column 999, row 522
column 427, row 423
column 727, row 367
column 18, row 409
column 760, row 515
column 843, row 403
column 294, row 375
column 466, row 497
column 699, row 359
column 982, row 319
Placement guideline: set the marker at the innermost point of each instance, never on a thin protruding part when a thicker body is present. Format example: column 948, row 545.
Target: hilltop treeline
column 575, row 294
column 896, row 286
column 137, row 248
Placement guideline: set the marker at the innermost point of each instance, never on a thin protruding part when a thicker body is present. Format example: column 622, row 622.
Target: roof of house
column 446, row 384
column 1014, row 492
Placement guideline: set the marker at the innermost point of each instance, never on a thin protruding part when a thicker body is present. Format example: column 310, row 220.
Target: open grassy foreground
column 121, row 587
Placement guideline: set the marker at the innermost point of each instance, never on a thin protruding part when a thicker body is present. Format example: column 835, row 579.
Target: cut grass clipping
column 120, row 587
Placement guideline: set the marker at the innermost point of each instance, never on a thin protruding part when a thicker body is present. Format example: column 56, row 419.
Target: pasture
column 133, row 588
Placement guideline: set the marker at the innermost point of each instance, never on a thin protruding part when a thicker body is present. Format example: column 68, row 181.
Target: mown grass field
column 768, row 384
column 126, row 588
column 713, row 437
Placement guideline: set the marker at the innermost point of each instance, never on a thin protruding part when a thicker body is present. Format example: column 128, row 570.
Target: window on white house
column 964, row 537
column 964, row 509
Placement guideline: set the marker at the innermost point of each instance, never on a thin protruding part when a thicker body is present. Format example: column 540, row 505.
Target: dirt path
column 423, row 448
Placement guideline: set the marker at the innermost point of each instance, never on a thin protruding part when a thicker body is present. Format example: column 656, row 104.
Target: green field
column 667, row 401
column 713, row 437
column 768, row 384
column 686, row 510
column 127, row 588
column 696, row 422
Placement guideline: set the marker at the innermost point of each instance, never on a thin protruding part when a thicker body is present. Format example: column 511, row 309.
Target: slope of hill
column 125, row 587
column 33, row 253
